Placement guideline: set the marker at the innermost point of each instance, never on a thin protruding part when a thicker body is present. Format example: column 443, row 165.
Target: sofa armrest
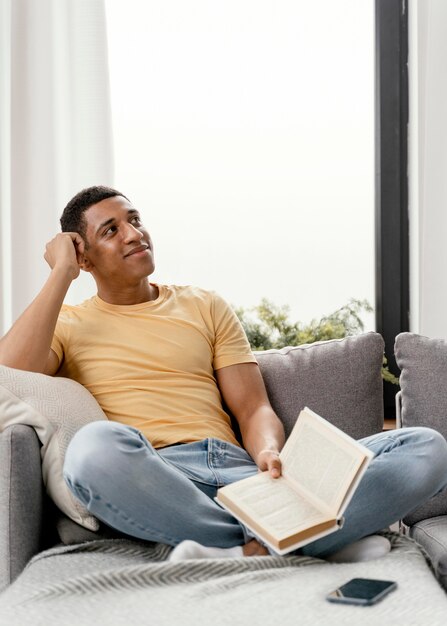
column 431, row 534
column 21, row 500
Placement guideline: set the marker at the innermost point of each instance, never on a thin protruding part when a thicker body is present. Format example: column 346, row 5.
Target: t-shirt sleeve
column 231, row 344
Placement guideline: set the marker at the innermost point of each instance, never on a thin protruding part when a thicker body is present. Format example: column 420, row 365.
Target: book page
column 282, row 510
column 322, row 460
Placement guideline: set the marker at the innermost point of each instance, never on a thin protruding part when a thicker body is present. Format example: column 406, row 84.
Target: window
column 244, row 132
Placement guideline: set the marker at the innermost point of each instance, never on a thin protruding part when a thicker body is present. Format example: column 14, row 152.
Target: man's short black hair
column 72, row 218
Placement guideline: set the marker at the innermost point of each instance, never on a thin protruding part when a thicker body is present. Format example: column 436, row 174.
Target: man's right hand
column 27, row 344
column 65, row 250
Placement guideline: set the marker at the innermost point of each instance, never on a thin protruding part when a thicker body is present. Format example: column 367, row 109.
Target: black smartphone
column 362, row 591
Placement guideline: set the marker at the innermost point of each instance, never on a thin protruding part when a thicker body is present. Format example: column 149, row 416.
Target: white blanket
column 127, row 583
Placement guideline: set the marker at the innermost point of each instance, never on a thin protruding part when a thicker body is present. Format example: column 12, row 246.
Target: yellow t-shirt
column 151, row 365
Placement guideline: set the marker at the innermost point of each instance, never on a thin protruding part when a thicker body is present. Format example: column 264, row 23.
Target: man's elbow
column 18, row 362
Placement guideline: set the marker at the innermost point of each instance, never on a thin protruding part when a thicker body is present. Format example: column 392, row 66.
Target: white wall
column 428, row 167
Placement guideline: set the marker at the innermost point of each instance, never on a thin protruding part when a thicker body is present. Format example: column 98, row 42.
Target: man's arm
column 243, row 390
column 27, row 345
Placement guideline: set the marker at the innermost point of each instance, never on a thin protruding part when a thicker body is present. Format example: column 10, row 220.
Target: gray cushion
column 423, row 382
column 339, row 379
column 21, row 500
column 69, row 532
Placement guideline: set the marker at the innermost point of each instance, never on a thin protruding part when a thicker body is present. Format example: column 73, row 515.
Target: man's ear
column 86, row 265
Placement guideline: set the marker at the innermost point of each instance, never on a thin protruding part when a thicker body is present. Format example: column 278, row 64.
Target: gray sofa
column 59, row 566
column 422, row 401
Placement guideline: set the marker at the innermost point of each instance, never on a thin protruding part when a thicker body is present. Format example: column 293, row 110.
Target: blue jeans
column 165, row 495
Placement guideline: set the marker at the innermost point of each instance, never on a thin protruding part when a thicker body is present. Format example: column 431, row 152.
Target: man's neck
column 144, row 292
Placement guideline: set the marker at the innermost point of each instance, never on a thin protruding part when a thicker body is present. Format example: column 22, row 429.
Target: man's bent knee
column 97, row 445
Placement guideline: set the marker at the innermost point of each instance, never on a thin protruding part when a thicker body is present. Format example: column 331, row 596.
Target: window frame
column 391, row 179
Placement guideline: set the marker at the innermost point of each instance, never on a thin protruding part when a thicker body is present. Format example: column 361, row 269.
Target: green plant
column 268, row 326
column 387, row 375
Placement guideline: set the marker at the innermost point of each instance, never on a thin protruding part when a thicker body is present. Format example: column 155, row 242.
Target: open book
column 321, row 468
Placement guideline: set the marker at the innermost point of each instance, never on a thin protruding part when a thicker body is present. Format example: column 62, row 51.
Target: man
column 160, row 359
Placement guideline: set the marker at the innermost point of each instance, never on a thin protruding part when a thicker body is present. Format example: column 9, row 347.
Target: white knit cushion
column 56, row 408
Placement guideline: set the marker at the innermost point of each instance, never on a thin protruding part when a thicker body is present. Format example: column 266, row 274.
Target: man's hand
column 269, row 460
column 65, row 250
column 27, row 345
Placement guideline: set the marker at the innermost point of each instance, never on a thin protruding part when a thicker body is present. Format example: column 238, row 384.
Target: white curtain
column 428, row 167
column 55, row 129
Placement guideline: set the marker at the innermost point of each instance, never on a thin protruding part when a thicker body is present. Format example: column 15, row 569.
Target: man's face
column 119, row 247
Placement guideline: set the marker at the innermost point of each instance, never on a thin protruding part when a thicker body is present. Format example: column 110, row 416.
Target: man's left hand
column 268, row 460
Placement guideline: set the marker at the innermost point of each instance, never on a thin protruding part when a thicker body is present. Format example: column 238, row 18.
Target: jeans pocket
column 192, row 460
column 230, row 462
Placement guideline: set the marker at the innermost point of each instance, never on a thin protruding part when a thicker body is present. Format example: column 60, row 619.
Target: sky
column 244, row 133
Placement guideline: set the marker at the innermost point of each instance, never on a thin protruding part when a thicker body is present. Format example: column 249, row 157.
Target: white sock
column 193, row 550
column 366, row 549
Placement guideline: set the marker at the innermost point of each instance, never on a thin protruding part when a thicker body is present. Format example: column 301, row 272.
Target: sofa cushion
column 423, row 382
column 338, row 379
column 423, row 365
column 56, row 408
